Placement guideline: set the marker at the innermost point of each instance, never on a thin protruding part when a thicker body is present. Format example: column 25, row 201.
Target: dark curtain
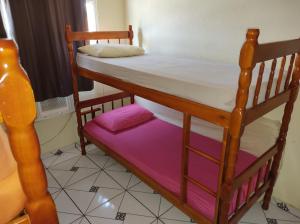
column 40, row 34
column 2, row 29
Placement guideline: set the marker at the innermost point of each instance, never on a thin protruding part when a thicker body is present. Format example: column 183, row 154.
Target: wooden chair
column 17, row 112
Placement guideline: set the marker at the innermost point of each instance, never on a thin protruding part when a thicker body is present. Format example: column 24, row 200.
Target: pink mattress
column 155, row 147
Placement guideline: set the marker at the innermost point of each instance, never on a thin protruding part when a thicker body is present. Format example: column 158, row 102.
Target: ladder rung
column 205, row 155
column 203, row 187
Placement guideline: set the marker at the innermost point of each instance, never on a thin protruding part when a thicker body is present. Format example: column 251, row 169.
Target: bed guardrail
column 89, row 108
column 285, row 51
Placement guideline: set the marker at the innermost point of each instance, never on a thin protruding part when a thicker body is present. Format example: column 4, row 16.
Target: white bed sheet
column 207, row 82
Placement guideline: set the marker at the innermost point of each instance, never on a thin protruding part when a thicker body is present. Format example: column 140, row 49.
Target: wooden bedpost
column 294, row 86
column 75, row 88
column 237, row 119
column 17, row 106
column 130, row 35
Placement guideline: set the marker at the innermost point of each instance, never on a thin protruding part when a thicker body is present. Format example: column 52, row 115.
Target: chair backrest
column 18, row 112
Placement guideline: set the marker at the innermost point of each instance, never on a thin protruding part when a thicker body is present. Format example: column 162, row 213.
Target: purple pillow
column 123, row 118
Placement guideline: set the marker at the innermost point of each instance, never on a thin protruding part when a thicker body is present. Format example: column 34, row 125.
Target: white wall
column 111, row 14
column 216, row 29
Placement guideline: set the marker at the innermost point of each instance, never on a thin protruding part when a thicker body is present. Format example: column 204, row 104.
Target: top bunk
column 205, row 89
column 203, row 81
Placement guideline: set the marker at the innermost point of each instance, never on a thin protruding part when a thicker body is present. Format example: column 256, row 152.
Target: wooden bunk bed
column 26, row 192
column 229, row 185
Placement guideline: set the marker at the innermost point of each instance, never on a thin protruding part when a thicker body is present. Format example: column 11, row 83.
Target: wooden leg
column 82, row 142
column 283, row 133
column 274, row 174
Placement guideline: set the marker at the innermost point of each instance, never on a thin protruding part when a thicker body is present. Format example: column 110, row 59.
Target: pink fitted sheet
column 156, row 146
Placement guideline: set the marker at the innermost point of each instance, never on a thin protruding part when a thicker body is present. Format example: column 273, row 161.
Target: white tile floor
column 95, row 189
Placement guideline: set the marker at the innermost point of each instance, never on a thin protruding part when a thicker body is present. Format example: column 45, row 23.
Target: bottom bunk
column 155, row 148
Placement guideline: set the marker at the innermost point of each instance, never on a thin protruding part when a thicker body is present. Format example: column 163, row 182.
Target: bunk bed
column 211, row 181
column 24, row 197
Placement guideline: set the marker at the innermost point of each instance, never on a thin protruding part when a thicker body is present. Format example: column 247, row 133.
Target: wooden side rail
column 110, row 35
column 265, row 107
column 17, row 107
column 103, row 99
column 269, row 51
column 211, row 114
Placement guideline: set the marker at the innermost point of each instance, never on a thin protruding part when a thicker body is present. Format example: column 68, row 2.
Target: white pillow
column 111, row 50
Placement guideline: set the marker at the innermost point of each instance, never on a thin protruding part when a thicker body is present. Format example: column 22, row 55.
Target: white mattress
column 207, row 82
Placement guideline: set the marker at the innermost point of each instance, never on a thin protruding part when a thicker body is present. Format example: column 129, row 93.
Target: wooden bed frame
column 18, row 112
column 233, row 123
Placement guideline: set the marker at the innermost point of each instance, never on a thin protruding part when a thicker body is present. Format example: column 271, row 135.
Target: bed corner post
column 294, row 86
column 18, row 111
column 68, row 32
column 236, row 127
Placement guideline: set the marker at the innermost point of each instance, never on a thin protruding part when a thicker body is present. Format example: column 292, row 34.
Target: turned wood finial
column 252, row 34
column 13, row 78
column 247, row 51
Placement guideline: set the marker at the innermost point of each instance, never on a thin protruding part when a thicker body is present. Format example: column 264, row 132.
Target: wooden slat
column 103, row 99
column 222, row 167
column 213, row 115
column 204, row 155
column 263, row 108
column 79, row 36
column 271, row 79
column 238, row 199
column 253, row 169
column 268, row 170
column 202, row 186
column 90, row 111
column 258, row 83
column 289, row 73
column 249, row 188
column 269, row 51
column 281, row 71
column 258, row 178
column 185, row 156
column 234, row 219
column 112, row 105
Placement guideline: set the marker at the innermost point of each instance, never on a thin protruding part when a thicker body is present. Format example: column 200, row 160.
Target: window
column 6, row 18
column 91, row 14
